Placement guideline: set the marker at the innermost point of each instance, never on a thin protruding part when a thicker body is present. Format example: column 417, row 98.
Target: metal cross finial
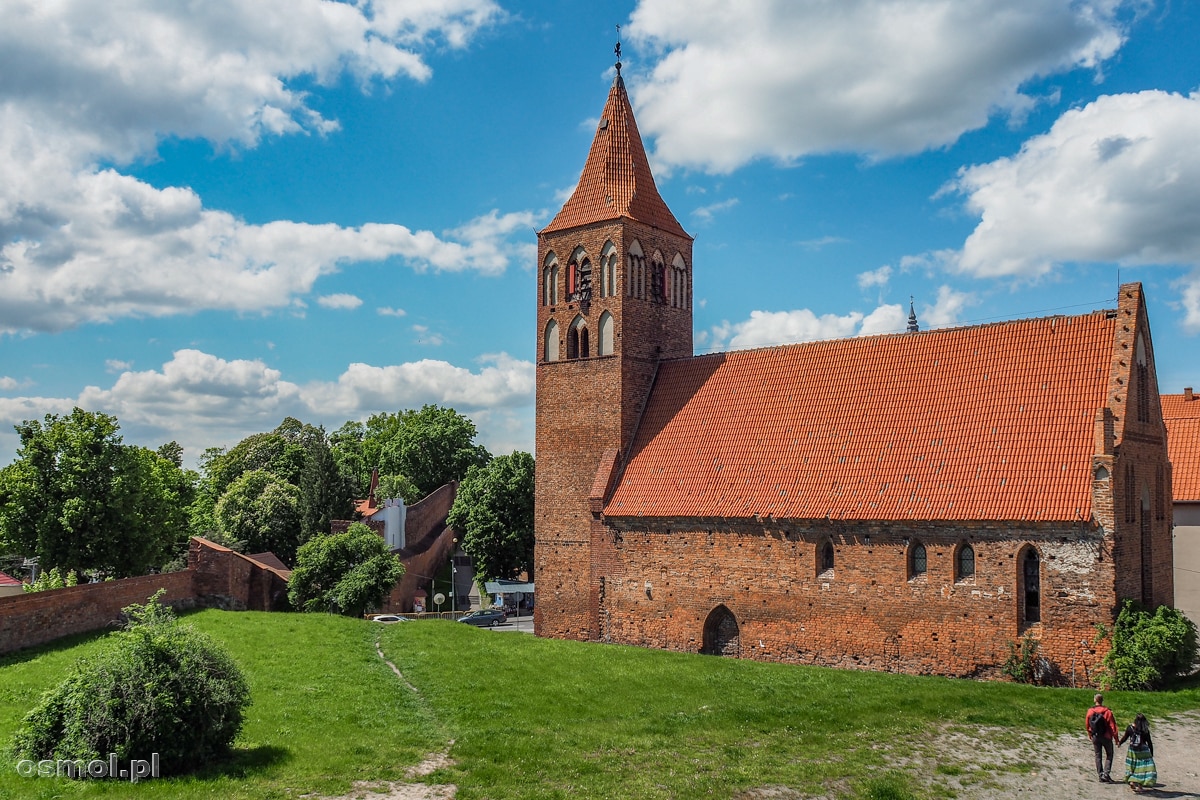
column 617, row 50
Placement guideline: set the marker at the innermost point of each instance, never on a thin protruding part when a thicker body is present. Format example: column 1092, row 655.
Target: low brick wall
column 227, row 579
column 31, row 619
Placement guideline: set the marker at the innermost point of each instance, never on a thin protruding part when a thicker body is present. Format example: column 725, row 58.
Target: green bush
column 158, row 687
column 1021, row 664
column 1148, row 649
column 349, row 572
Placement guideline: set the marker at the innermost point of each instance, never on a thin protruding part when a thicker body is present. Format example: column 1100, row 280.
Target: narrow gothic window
column 965, row 563
column 918, row 563
column 826, row 564
column 577, row 339
column 551, row 342
column 1147, row 547
column 1031, row 585
column 1142, row 381
column 550, row 284
column 604, row 345
column 1130, row 498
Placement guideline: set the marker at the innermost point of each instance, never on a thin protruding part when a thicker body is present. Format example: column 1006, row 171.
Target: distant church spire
column 913, row 327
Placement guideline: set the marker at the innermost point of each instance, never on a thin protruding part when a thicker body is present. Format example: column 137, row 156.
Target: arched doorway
column 721, row 636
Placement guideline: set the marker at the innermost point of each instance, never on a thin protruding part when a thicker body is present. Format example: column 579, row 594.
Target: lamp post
column 453, row 578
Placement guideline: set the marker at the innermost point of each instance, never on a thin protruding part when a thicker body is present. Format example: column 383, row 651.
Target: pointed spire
column 913, row 327
column 616, row 180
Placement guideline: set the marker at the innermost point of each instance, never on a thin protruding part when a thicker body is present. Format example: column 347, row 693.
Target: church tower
column 614, row 297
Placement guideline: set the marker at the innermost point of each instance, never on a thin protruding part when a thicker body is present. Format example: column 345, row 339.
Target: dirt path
column 973, row 767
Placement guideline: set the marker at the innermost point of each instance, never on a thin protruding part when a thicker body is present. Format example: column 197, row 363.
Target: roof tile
column 989, row 422
column 616, row 180
column 1182, row 418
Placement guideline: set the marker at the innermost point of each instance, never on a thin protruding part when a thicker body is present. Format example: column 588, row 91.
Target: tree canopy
column 78, row 498
column 494, row 512
column 349, row 572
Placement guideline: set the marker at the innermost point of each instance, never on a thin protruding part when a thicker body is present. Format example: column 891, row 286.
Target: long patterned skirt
column 1139, row 768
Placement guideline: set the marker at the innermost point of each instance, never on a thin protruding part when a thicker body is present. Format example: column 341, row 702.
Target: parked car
column 485, row 618
column 390, row 618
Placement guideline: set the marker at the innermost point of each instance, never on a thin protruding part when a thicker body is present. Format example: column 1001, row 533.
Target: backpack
column 1135, row 740
column 1097, row 726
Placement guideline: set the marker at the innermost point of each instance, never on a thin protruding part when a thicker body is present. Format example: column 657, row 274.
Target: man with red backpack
column 1101, row 729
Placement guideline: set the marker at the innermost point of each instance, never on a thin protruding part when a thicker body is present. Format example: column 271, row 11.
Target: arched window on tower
column 604, row 345
column 680, row 296
column 550, row 343
column 578, row 345
column 608, row 270
column 550, row 281
column 637, row 270
column 658, row 278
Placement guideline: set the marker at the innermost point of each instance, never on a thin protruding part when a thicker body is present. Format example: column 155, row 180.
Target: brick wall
column 661, row 583
column 227, row 579
column 31, row 619
column 216, row 577
column 430, row 543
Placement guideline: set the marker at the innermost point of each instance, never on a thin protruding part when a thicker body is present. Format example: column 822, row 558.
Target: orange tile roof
column 993, row 422
column 616, row 180
column 1183, row 445
column 8, row 580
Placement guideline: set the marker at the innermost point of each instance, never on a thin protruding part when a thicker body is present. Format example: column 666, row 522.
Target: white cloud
column 1116, row 181
column 876, row 277
column 769, row 328
column 426, row 337
column 201, row 400
column 947, row 309
column 8, row 384
column 87, row 88
column 705, row 213
column 115, row 365
column 821, row 242
column 346, row 302
column 385, row 311
column 780, row 79
column 1190, row 298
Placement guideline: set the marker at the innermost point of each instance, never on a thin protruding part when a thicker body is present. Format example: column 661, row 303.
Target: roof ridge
column 900, row 334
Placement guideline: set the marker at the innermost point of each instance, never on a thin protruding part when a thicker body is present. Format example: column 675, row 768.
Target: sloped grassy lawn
column 535, row 718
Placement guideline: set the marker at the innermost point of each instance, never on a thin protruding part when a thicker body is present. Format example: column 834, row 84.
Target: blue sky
column 216, row 215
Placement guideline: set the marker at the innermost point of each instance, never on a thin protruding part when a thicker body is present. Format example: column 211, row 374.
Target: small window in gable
column 964, row 563
column 604, row 346
column 1142, row 382
column 550, row 344
column 917, row 561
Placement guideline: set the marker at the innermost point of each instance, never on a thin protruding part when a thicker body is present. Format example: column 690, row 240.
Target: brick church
column 910, row 502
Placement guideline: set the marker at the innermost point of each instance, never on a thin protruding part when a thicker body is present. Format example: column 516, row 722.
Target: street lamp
column 453, row 578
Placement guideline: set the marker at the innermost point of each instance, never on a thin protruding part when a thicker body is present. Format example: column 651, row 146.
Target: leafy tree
column 158, row 687
column 1148, row 649
column 349, row 571
column 346, row 447
column 263, row 513
column 398, row 486
column 494, row 511
column 52, row 579
column 79, row 499
column 432, row 447
column 325, row 492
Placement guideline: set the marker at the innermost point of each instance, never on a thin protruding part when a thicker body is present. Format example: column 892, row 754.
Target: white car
column 390, row 618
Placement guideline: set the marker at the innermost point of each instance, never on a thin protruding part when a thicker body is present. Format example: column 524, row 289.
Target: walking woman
column 1140, row 771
